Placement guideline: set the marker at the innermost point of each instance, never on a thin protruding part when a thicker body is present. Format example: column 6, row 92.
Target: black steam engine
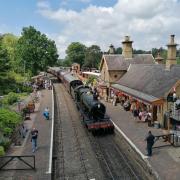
column 93, row 112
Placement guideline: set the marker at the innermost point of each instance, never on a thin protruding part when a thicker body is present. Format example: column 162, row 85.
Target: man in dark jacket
column 150, row 141
column 34, row 136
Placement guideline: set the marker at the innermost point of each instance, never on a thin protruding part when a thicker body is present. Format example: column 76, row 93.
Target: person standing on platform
column 46, row 113
column 150, row 142
column 34, row 136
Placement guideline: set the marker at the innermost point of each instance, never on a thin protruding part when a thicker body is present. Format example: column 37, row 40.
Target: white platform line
column 52, row 133
column 130, row 142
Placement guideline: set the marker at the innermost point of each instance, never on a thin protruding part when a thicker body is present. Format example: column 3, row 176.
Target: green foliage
column 178, row 60
column 92, row 56
column 7, row 131
column 10, row 98
column 35, row 51
column 76, row 53
column 118, row 50
column 9, row 42
column 90, row 80
column 2, row 153
column 8, row 119
column 7, row 84
column 4, row 58
column 18, row 78
column 67, row 63
column 162, row 51
column 25, row 89
column 5, row 142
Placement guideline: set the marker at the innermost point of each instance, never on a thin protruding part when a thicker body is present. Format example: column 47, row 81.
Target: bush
column 7, row 131
column 10, row 98
column 2, row 153
column 26, row 89
column 5, row 142
column 9, row 119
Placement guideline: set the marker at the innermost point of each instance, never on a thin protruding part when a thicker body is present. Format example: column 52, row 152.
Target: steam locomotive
column 93, row 112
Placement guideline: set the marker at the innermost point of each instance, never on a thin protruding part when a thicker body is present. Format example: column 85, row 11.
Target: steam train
column 93, row 112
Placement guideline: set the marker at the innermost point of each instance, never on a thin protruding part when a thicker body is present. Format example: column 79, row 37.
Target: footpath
column 165, row 160
column 42, row 155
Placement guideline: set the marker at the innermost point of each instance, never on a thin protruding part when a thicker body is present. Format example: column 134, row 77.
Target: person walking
column 46, row 113
column 150, row 142
column 34, row 136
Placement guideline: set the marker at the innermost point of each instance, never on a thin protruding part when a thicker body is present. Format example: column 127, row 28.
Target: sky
column 102, row 22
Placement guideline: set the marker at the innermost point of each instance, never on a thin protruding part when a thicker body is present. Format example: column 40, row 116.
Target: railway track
column 112, row 160
column 96, row 157
column 63, row 169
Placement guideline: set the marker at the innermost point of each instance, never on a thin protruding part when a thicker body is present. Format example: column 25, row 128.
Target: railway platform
column 43, row 152
column 165, row 160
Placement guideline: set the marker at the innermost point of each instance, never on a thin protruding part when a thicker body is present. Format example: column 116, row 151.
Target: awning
column 137, row 94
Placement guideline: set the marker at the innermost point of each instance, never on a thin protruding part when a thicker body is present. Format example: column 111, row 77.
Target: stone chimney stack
column 159, row 59
column 111, row 49
column 171, row 56
column 127, row 50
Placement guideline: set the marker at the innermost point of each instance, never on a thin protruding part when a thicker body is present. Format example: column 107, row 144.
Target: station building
column 145, row 81
column 114, row 66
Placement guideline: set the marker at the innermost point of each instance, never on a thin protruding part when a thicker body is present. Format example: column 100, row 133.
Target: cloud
column 148, row 23
column 85, row 1
column 43, row 4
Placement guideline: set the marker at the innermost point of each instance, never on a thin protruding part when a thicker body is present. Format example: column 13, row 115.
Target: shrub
column 10, row 98
column 26, row 89
column 7, row 131
column 5, row 142
column 2, row 153
column 9, row 119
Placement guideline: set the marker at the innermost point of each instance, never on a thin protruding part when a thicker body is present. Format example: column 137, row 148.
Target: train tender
column 92, row 110
column 71, row 82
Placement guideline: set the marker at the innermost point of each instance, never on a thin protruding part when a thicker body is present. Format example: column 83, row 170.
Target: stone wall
column 141, row 166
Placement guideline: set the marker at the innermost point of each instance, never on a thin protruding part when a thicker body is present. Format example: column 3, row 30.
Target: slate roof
column 118, row 62
column 152, row 79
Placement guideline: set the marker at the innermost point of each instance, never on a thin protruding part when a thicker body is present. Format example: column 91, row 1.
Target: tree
column 162, row 51
column 9, row 42
column 35, row 51
column 76, row 53
column 66, row 63
column 118, row 50
column 4, row 58
column 92, row 56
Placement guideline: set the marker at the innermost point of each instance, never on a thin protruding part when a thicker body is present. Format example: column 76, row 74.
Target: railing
column 29, row 166
column 171, row 138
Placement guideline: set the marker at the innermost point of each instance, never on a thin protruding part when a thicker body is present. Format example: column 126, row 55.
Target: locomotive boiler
column 92, row 110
